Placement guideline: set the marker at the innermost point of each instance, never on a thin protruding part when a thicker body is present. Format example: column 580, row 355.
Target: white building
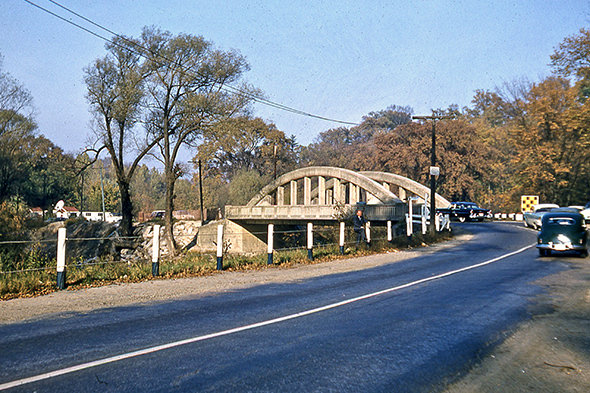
column 98, row 216
column 66, row 212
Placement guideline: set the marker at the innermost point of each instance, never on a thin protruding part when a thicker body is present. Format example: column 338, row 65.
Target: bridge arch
column 331, row 185
column 405, row 185
column 356, row 184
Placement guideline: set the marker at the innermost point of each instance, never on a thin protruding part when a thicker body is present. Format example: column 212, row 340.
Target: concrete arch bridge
column 316, row 195
column 327, row 194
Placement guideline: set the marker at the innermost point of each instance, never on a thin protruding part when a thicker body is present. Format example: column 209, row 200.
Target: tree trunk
column 126, row 225
column 169, row 206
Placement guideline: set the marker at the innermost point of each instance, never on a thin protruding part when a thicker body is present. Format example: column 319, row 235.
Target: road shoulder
column 549, row 352
column 63, row 303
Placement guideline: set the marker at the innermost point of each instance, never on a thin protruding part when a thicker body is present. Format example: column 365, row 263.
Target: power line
column 144, row 50
column 226, row 87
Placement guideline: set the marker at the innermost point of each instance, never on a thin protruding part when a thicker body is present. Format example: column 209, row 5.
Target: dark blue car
column 562, row 231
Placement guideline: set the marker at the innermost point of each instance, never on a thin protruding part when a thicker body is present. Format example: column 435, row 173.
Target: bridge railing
column 385, row 212
column 284, row 212
column 394, row 212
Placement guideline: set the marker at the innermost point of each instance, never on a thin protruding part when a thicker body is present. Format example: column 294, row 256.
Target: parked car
column 465, row 211
column 533, row 219
column 157, row 214
column 562, row 231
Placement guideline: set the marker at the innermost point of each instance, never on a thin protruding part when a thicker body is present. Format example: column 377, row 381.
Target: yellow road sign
column 527, row 202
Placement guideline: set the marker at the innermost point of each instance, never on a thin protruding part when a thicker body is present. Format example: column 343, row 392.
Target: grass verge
column 104, row 272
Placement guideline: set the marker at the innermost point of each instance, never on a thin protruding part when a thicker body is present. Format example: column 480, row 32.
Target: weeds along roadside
column 34, row 275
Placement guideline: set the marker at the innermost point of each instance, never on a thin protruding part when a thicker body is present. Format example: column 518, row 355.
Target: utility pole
column 200, row 167
column 102, row 192
column 434, row 170
column 274, row 176
column 201, row 191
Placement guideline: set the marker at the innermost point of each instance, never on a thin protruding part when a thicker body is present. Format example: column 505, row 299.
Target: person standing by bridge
column 359, row 223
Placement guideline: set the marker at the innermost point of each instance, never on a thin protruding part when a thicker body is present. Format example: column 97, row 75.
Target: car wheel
column 461, row 219
column 584, row 253
column 526, row 224
column 543, row 253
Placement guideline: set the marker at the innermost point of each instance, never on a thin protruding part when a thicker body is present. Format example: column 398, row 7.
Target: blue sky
column 339, row 59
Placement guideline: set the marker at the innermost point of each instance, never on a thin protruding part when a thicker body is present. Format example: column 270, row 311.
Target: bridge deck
column 313, row 213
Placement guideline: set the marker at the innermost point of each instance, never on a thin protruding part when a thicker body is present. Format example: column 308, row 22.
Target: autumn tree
column 16, row 125
column 406, row 151
column 244, row 143
column 572, row 59
column 32, row 168
column 115, row 90
column 14, row 163
column 239, row 150
column 51, row 173
column 334, row 147
column 384, row 121
column 553, row 145
column 188, row 92
column 344, row 147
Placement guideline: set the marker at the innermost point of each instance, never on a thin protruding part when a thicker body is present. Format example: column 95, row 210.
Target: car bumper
column 477, row 216
column 561, row 247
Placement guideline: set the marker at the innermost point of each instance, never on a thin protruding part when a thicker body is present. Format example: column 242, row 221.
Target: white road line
column 162, row 347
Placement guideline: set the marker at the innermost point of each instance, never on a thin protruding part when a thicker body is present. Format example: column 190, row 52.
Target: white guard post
column 411, row 214
column 61, row 258
column 368, row 232
column 310, row 241
column 342, row 228
column 156, row 251
column 389, row 232
column 270, row 241
column 220, row 247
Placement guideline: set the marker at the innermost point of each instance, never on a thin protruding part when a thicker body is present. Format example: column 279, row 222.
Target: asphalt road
column 415, row 338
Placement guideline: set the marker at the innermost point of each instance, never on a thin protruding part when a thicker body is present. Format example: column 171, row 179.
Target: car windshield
column 464, row 205
column 544, row 209
column 561, row 221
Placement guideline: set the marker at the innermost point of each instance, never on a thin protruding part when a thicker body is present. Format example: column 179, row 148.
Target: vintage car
column 562, row 231
column 533, row 219
column 465, row 211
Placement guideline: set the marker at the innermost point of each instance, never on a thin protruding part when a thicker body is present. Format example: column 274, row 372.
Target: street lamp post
column 434, row 170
